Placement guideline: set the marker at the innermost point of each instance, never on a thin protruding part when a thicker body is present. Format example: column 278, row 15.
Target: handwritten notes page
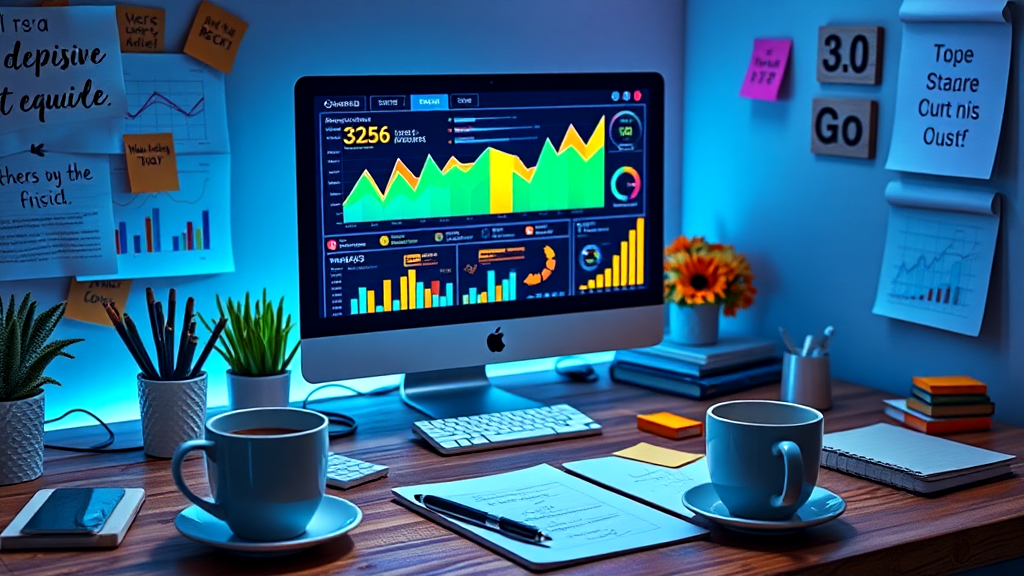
column 657, row 485
column 85, row 300
column 954, row 67
column 938, row 256
column 55, row 217
column 585, row 522
column 767, row 68
column 61, row 83
column 152, row 165
column 215, row 36
column 141, row 28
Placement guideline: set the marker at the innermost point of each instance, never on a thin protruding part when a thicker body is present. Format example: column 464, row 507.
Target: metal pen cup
column 807, row 380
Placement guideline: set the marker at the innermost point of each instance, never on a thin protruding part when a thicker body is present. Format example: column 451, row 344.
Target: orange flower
column 683, row 245
column 699, row 281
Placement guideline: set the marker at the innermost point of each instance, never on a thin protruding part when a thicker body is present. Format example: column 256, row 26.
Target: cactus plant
column 24, row 351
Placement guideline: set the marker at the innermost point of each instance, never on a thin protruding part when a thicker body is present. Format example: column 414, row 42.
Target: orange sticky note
column 141, row 28
column 152, row 166
column 215, row 37
column 669, row 425
column 85, row 299
column 950, row 385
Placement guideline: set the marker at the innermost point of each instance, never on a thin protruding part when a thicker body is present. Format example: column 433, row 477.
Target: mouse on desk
column 576, row 369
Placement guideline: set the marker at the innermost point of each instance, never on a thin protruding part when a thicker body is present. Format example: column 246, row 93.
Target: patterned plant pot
column 258, row 391
column 172, row 412
column 694, row 325
column 21, row 440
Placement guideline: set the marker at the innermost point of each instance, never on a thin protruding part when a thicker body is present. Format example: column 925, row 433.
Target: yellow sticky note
column 652, row 454
column 85, row 299
column 141, row 28
column 215, row 36
column 152, row 166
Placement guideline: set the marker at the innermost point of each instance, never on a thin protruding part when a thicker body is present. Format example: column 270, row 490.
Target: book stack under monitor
column 698, row 372
column 944, row 404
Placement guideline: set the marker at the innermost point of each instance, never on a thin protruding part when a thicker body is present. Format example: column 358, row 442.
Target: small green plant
column 255, row 340
column 24, row 352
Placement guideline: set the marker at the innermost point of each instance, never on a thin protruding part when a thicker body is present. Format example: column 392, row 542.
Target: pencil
column 186, row 322
column 169, row 351
column 151, row 305
column 133, row 333
column 214, row 335
column 161, row 356
column 172, row 305
column 123, row 333
column 185, row 358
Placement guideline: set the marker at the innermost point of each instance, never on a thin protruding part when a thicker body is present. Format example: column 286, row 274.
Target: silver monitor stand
column 459, row 392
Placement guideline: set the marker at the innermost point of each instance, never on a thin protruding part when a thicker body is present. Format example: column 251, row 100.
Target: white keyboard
column 501, row 429
column 344, row 472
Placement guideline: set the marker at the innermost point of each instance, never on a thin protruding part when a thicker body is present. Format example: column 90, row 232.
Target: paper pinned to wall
column 85, row 300
column 55, row 216
column 954, row 67
column 938, row 256
column 180, row 233
column 174, row 93
column 61, row 72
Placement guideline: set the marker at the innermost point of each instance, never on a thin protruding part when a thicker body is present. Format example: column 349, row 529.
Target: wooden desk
column 883, row 530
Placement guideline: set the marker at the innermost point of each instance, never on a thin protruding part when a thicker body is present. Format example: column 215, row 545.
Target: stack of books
column 944, row 404
column 731, row 365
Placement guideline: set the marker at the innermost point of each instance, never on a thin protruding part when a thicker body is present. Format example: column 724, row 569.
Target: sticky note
column 141, row 28
column 651, row 454
column 152, row 166
column 767, row 67
column 669, row 425
column 85, row 299
column 215, row 36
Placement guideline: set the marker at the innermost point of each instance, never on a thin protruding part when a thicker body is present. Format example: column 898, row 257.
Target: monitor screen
column 458, row 199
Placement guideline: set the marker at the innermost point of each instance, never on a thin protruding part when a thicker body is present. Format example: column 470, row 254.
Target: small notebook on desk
column 585, row 522
column 910, row 460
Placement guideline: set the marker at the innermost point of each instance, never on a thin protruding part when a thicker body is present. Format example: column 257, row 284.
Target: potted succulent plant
column 702, row 280
column 255, row 345
column 24, row 357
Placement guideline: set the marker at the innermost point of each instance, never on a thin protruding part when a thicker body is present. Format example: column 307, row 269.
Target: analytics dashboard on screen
column 477, row 198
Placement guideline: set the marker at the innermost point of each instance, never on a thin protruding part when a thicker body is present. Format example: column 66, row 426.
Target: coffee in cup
column 267, row 469
column 763, row 456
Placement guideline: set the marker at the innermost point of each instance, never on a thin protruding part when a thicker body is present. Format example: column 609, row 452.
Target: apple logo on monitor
column 495, row 341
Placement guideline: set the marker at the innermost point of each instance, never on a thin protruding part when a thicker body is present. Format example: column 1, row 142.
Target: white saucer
column 821, row 507
column 334, row 517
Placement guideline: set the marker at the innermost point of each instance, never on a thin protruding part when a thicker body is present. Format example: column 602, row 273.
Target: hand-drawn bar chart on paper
column 174, row 93
column 938, row 256
column 174, row 233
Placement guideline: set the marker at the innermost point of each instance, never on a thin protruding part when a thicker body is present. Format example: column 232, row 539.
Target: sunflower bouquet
column 699, row 272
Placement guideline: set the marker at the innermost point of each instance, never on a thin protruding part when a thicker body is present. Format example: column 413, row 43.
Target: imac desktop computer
column 450, row 222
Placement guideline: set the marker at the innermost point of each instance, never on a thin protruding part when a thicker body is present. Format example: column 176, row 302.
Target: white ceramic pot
column 694, row 325
column 21, row 440
column 258, row 391
column 172, row 412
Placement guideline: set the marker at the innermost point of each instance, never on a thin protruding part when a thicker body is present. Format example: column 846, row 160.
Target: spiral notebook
column 910, row 460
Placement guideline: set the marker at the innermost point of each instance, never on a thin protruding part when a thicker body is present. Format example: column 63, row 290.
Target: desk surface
column 883, row 530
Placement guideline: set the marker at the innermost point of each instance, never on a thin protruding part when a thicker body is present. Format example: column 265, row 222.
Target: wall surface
column 814, row 226
column 287, row 40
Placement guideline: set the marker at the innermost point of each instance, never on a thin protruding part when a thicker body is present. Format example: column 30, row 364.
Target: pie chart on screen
column 626, row 184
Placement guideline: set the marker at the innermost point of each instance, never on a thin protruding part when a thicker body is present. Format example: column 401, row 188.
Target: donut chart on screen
column 626, row 183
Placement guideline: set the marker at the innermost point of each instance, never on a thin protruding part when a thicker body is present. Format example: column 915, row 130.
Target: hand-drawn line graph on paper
column 936, row 268
column 173, row 93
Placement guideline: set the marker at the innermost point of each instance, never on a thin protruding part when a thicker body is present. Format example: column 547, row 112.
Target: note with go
column 767, row 68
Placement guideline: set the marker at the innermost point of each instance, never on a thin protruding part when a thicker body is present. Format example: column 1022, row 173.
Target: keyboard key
column 520, row 435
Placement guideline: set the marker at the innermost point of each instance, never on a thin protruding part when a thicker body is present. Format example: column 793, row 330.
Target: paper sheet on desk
column 938, row 256
column 583, row 520
column 657, row 485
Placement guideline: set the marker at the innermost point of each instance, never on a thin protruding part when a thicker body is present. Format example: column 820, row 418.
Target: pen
column 824, row 341
column 785, row 340
column 505, row 526
column 808, row 342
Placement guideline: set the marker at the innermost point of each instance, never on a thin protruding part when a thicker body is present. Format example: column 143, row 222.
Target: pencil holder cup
column 172, row 412
column 807, row 380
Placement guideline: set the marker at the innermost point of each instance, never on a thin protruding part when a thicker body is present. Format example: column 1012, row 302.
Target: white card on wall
column 954, row 67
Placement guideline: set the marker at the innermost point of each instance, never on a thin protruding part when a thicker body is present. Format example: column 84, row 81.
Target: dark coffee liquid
column 265, row 431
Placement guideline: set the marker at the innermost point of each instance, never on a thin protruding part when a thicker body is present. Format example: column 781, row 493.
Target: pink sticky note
column 767, row 67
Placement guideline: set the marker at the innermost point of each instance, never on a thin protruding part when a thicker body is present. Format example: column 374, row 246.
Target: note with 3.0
column 85, row 299
column 767, row 68
column 152, row 166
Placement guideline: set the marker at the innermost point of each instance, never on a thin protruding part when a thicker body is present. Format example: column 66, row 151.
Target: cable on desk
column 342, row 424
column 99, row 447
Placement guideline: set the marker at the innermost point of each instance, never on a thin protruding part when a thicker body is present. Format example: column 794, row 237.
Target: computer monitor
column 449, row 222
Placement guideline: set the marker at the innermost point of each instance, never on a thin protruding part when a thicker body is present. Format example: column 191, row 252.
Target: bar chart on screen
column 605, row 267
column 180, row 233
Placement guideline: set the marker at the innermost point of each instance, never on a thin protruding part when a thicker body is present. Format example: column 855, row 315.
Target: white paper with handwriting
column 657, row 485
column 585, row 521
